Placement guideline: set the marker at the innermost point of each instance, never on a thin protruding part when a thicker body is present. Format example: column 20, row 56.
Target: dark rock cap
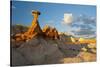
column 36, row 12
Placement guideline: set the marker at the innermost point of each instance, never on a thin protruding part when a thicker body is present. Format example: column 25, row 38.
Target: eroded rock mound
column 37, row 51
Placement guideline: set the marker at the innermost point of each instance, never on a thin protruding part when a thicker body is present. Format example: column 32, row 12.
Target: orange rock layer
column 35, row 30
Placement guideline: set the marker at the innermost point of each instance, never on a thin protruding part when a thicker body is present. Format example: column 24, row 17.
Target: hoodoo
column 34, row 29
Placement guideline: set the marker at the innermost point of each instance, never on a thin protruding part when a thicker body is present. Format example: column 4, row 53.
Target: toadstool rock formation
column 34, row 29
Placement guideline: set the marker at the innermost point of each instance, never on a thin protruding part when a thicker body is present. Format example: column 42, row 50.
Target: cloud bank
column 81, row 26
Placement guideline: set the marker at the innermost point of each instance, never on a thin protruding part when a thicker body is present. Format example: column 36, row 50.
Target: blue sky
column 73, row 19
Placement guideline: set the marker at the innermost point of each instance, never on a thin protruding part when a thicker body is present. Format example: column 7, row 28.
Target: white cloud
column 68, row 18
column 80, row 26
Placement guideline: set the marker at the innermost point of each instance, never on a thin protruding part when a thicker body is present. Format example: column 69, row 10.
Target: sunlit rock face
column 35, row 30
column 50, row 32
